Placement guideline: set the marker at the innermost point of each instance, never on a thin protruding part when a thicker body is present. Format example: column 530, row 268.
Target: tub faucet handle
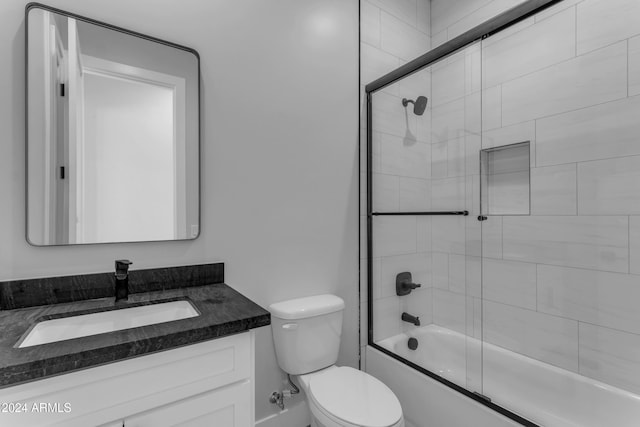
column 404, row 284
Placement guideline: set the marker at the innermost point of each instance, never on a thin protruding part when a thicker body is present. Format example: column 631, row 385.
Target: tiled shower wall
column 394, row 32
column 562, row 284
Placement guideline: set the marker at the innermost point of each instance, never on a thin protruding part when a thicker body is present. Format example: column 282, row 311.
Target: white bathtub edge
column 436, row 405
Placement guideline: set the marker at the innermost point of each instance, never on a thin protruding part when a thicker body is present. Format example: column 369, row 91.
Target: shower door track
column 482, row 31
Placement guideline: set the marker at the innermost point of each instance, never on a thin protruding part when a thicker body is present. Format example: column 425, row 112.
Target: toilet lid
column 355, row 397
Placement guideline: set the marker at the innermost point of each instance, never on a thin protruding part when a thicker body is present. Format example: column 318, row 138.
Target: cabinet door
column 227, row 406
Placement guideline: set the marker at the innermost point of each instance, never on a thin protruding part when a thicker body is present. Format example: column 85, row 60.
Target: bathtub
column 545, row 394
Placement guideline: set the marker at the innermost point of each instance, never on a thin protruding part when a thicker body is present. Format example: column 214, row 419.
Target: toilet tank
column 306, row 332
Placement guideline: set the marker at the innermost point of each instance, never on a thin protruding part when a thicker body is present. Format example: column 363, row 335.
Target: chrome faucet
column 122, row 279
column 411, row 319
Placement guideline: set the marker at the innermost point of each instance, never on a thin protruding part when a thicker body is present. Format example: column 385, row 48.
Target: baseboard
column 295, row 416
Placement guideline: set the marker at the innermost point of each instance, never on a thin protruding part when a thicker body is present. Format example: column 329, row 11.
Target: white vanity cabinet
column 206, row 384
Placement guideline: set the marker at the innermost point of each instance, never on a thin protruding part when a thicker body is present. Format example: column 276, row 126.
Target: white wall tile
column 444, row 13
column 448, row 80
column 390, row 117
column 440, row 270
column 508, row 32
column 610, row 356
column 375, row 63
column 509, row 282
column 385, row 193
column 473, row 68
column 609, row 187
column 414, row 85
column 448, row 194
column 415, row 194
column 419, row 303
column 545, row 43
column 598, row 297
column 423, row 16
column 634, row 66
column 457, row 273
column 472, row 147
column 602, row 22
column 447, row 121
column 423, row 224
column 409, row 160
column 405, row 10
column 439, row 160
column 438, row 38
column 473, row 113
column 566, row 86
column 492, row 237
column 544, row 337
column 634, row 244
column 401, row 39
column 449, row 310
column 456, row 157
column 492, row 108
column 473, row 268
column 480, row 15
column 598, row 242
column 473, row 230
column 419, row 265
column 394, row 235
column 521, row 132
column 558, row 7
column 553, row 190
column 386, row 318
column 599, row 132
column 369, row 24
column 474, row 234
column 473, row 198
column 448, row 234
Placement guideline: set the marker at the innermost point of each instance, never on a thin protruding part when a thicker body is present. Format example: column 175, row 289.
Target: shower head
column 419, row 105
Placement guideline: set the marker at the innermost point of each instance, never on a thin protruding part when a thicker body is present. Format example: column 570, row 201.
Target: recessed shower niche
column 505, row 180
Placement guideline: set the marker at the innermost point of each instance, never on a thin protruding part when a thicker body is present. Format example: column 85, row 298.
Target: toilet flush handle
column 290, row 326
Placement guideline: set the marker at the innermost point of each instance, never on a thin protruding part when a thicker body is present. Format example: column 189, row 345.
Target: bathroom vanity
column 197, row 371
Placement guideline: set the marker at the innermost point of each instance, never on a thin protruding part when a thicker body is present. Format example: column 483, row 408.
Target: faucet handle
column 122, row 266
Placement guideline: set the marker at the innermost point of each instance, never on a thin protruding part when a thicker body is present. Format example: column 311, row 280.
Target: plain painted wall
column 279, row 153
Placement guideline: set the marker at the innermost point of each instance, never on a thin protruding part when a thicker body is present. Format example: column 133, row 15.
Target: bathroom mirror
column 112, row 133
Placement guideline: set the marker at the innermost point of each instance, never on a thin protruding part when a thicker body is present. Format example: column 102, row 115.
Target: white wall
column 279, row 152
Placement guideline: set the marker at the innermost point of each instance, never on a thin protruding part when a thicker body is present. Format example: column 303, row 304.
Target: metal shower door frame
column 482, row 31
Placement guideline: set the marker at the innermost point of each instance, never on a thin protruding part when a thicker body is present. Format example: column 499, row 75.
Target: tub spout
column 411, row 319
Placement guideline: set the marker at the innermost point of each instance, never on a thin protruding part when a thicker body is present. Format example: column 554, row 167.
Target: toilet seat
column 354, row 398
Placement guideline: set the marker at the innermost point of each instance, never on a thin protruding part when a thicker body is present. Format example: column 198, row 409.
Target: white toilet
column 306, row 333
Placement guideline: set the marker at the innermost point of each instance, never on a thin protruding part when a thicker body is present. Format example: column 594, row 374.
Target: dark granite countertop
column 223, row 311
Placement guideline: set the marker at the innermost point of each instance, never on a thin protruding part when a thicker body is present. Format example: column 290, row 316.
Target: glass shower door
column 561, row 194
column 424, row 162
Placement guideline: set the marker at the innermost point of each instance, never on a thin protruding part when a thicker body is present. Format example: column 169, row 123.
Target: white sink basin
column 107, row 321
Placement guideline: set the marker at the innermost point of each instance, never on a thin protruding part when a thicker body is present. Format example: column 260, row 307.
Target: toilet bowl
column 306, row 334
column 347, row 397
